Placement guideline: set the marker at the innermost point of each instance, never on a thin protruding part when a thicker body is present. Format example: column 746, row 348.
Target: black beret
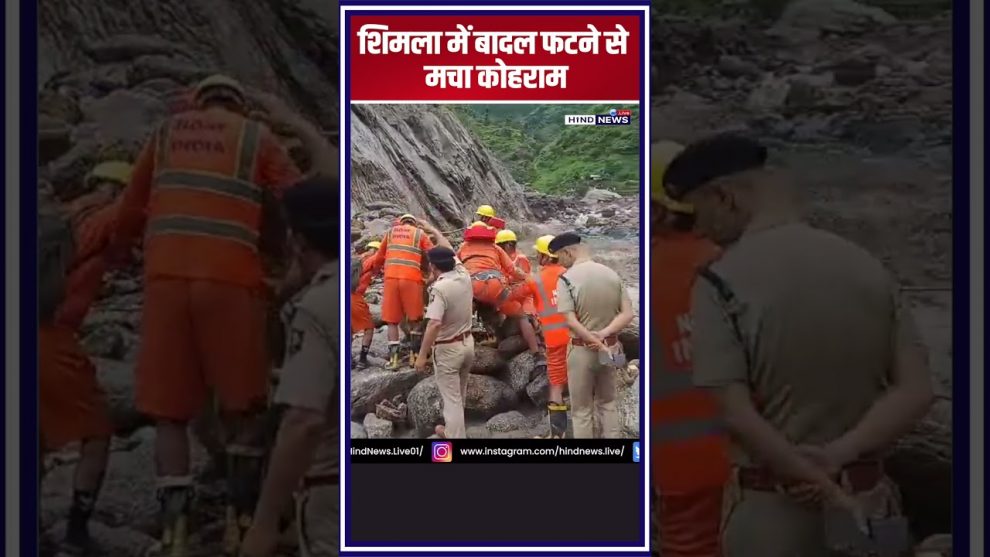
column 711, row 158
column 313, row 203
column 440, row 254
column 561, row 241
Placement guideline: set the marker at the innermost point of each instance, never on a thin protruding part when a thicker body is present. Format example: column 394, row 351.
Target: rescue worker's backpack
column 56, row 245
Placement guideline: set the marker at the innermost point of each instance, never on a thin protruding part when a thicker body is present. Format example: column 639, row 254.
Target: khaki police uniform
column 821, row 321
column 451, row 303
column 595, row 294
column 309, row 380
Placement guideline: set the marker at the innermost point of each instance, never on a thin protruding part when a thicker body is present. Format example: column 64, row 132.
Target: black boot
column 393, row 356
column 557, row 416
column 176, row 502
column 77, row 540
column 363, row 358
column 243, row 491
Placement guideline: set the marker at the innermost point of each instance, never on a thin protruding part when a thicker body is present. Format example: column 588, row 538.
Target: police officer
column 448, row 336
column 809, row 348
column 305, row 457
column 597, row 306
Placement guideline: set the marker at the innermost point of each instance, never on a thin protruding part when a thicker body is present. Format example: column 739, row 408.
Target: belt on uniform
column 457, row 338
column 317, row 481
column 609, row 341
column 863, row 475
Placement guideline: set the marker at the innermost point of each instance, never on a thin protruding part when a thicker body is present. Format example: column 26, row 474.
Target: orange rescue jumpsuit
column 360, row 312
column 690, row 447
column 491, row 271
column 552, row 322
column 402, row 254
column 72, row 406
column 198, row 185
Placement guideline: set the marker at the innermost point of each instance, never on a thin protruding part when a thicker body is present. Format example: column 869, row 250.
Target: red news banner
column 493, row 58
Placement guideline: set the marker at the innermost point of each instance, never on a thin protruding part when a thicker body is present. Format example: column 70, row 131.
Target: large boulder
column 377, row 428
column 486, row 397
column 511, row 346
column 506, row 422
column 627, row 401
column 487, row 361
column 834, row 16
column 369, row 387
column 538, row 390
column 520, row 372
column 629, row 337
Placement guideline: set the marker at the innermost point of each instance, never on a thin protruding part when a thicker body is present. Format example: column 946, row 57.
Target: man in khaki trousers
column 597, row 306
column 448, row 336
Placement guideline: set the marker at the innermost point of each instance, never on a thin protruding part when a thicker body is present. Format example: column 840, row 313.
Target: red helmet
column 481, row 232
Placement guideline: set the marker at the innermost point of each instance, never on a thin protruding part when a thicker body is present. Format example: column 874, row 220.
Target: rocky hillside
column 423, row 160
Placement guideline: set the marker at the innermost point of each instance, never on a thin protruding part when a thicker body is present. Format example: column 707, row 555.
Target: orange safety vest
column 552, row 322
column 403, row 253
column 688, row 439
column 205, row 213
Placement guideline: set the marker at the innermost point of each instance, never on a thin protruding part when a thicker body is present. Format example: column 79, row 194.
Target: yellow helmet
column 113, row 171
column 218, row 81
column 373, row 245
column 542, row 244
column 661, row 155
column 485, row 211
column 406, row 217
column 504, row 236
column 479, row 223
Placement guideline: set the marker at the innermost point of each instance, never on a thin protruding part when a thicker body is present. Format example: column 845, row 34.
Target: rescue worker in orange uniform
column 555, row 333
column 402, row 255
column 690, row 448
column 72, row 406
column 484, row 214
column 361, row 277
column 197, row 191
column 497, row 282
column 506, row 239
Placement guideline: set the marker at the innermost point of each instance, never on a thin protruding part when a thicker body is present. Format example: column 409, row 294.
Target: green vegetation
column 543, row 153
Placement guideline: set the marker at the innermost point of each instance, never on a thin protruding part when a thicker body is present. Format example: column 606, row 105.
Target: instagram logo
column 442, row 451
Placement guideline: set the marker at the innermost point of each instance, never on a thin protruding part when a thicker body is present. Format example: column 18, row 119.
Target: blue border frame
column 347, row 248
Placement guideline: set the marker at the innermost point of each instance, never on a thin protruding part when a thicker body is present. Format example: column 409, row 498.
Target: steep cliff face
column 423, row 160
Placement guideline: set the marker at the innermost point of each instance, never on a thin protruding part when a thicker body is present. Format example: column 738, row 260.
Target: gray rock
column 508, row 421
column 114, row 542
column 123, row 48
column 629, row 338
column 628, row 405
column 836, row 16
column 487, row 361
column 117, row 381
column 769, row 94
column 511, row 346
column 520, row 372
column 358, row 431
column 595, row 195
column 124, row 116
column 733, row 66
column 157, row 66
column 538, row 390
column 369, row 387
column 486, row 396
column 128, row 494
column 66, row 172
column 853, row 72
column 377, row 428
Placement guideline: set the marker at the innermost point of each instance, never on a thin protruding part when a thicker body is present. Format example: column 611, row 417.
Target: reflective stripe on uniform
column 217, row 184
column 549, row 309
column 407, row 249
column 686, row 430
column 487, row 275
column 553, row 326
column 247, row 150
column 402, row 262
column 198, row 226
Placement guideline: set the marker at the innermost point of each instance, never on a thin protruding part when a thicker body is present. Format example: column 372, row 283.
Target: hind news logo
column 615, row 117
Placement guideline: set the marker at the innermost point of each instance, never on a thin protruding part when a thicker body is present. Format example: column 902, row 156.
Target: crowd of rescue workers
column 753, row 338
